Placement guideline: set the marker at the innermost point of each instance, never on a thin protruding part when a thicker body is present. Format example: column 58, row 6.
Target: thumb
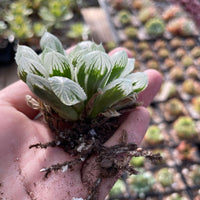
column 135, row 124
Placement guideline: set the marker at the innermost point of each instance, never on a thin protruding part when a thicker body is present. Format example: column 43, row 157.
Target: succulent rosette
column 84, row 83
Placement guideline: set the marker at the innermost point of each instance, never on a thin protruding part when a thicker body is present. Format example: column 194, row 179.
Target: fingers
column 154, row 83
column 14, row 95
column 135, row 125
column 69, row 49
column 121, row 49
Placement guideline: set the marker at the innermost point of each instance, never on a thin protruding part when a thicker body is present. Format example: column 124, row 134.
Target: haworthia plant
column 86, row 82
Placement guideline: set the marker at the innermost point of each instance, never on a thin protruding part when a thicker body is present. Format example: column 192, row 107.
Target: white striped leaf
column 139, row 81
column 28, row 62
column 52, row 42
column 57, row 64
column 68, row 91
column 111, row 94
column 129, row 68
column 93, row 72
column 41, row 87
column 119, row 60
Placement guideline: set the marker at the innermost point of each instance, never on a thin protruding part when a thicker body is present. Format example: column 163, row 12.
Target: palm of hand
column 19, row 167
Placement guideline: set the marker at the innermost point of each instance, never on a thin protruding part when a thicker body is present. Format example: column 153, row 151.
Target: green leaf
column 68, row 91
column 41, row 87
column 52, row 42
column 83, row 48
column 129, row 68
column 91, row 46
column 111, row 94
column 93, row 72
column 46, row 15
column 44, row 52
column 28, row 62
column 57, row 64
column 139, row 80
column 119, row 60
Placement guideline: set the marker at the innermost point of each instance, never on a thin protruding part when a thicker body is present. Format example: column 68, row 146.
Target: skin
column 20, row 176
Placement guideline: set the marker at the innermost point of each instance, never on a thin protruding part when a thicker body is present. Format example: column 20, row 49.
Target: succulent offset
column 84, row 83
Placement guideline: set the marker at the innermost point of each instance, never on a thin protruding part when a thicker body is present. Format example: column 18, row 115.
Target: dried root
column 110, row 161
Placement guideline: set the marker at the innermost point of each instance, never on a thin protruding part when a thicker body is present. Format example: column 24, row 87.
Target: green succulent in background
column 78, row 31
column 147, row 13
column 39, row 29
column 137, row 161
column 155, row 27
column 18, row 8
column 196, row 103
column 3, row 27
column 35, row 4
column 195, row 174
column 187, row 61
column 124, row 17
column 55, row 12
column 110, row 45
column 119, row 188
column 21, row 28
column 165, row 177
column 176, row 196
column 141, row 183
column 185, row 127
column 18, row 20
column 84, row 83
column 131, row 32
column 195, row 52
column 154, row 135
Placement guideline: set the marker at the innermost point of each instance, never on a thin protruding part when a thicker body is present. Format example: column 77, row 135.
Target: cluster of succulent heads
column 86, row 82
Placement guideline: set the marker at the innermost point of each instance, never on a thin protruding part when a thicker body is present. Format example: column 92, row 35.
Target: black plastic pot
column 7, row 50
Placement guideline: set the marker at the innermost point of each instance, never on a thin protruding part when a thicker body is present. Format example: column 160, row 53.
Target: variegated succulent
column 84, row 83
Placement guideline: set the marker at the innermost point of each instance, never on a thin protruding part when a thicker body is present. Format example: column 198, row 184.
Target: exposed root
column 110, row 161
column 43, row 146
column 68, row 165
column 85, row 138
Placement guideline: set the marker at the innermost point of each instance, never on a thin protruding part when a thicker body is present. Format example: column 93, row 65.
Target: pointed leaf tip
column 139, row 81
column 119, row 61
column 52, row 42
column 57, row 64
column 28, row 62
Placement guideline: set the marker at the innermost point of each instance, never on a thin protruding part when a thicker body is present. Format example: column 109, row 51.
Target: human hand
column 20, row 178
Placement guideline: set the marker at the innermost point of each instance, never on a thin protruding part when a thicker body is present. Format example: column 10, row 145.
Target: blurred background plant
column 185, row 128
column 165, row 177
column 26, row 20
column 154, row 135
column 142, row 183
column 54, row 12
column 78, row 31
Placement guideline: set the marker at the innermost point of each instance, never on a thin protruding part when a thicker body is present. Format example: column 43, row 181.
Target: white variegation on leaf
column 85, row 83
column 119, row 60
column 52, row 42
column 139, row 80
column 41, row 87
column 111, row 94
column 82, row 49
column 68, row 91
column 93, row 72
column 129, row 68
column 91, row 46
column 57, row 64
column 28, row 62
